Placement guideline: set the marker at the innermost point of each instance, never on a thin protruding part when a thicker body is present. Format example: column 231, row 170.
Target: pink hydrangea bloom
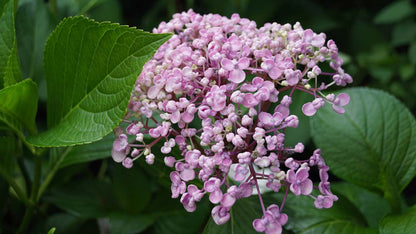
column 215, row 101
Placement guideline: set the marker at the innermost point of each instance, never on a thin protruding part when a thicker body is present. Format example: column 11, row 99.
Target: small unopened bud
column 146, row 152
column 150, row 159
column 281, row 175
column 307, row 86
column 139, row 137
column 284, row 83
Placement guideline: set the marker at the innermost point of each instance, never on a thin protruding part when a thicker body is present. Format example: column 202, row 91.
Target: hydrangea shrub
column 214, row 90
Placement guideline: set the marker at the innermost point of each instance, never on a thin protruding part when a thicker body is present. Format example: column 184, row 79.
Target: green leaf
column 394, row 12
column 412, row 53
column 128, row 184
column 242, row 215
column 404, row 33
column 180, row 221
column 77, row 7
column 107, row 10
column 90, row 72
column 18, row 106
column 129, row 223
column 302, row 132
column 403, row 223
column 9, row 63
column 371, row 205
column 85, row 198
column 90, row 152
column 364, row 36
column 7, row 154
column 373, row 144
column 342, row 217
column 64, row 223
column 33, row 25
column 52, row 231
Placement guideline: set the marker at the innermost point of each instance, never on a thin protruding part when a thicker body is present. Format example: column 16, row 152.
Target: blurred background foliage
column 377, row 39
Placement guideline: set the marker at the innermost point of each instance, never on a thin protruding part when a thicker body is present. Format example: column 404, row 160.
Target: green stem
column 33, row 195
column 54, row 9
column 52, row 172
column 19, row 192
column 103, row 169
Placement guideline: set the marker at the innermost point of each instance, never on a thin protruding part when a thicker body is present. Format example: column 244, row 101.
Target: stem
column 284, row 198
column 52, row 172
column 253, row 172
column 54, row 9
column 103, row 169
column 19, row 192
column 33, row 195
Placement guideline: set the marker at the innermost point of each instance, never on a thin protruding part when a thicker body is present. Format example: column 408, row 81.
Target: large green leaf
column 9, row 63
column 18, row 106
column 86, row 153
column 128, row 184
column 395, row 12
column 129, row 223
column 342, row 217
column 85, row 198
column 7, row 151
column 302, row 132
column 90, row 71
column 242, row 214
column 404, row 33
column 412, row 52
column 371, row 205
column 403, row 223
column 373, row 144
column 179, row 221
column 33, row 25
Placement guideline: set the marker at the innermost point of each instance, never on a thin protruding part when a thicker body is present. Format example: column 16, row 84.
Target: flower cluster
column 214, row 91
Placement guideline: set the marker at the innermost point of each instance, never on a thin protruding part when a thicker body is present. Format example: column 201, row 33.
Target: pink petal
column 306, row 187
column 250, row 100
column 215, row 197
column 174, row 177
column 257, row 81
column 338, row 109
column 343, row 98
column 243, row 63
column 227, row 64
column 266, row 118
column 318, row 40
column 273, row 228
column 192, row 188
column 187, row 174
column 308, row 109
column 267, row 64
column 237, row 76
column 228, row 200
column 283, row 219
column 220, row 215
column 245, row 190
column 275, row 73
column 291, row 176
column 118, row 156
column 302, row 174
column 258, row 225
column 153, row 91
column 295, row 189
column 174, row 118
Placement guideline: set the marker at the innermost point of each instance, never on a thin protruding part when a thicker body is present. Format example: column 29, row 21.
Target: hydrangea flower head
column 214, row 91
